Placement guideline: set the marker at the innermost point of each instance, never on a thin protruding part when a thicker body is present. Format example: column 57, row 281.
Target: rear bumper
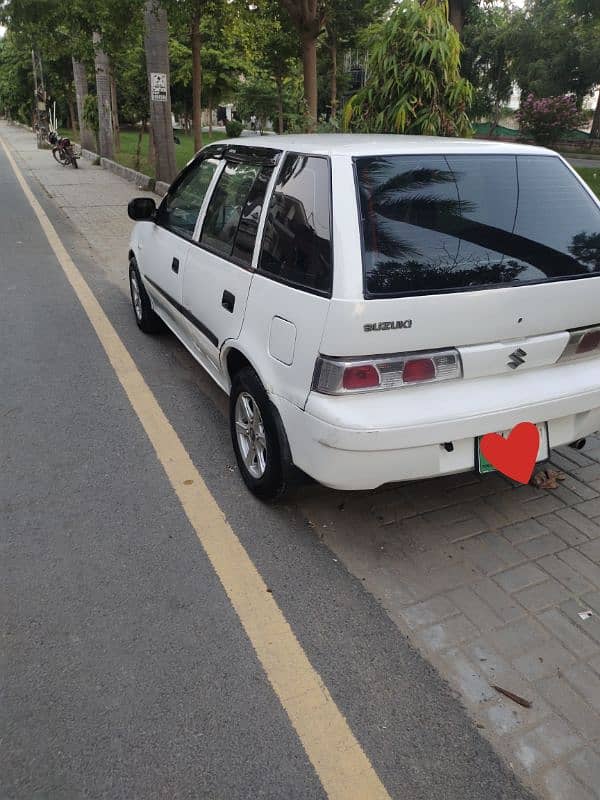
column 364, row 441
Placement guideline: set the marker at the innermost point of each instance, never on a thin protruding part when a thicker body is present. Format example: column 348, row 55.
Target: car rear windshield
column 437, row 223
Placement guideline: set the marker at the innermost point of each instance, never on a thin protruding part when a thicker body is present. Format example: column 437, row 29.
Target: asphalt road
column 125, row 670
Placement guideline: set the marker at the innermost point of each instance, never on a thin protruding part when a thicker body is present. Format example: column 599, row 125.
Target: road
column 133, row 664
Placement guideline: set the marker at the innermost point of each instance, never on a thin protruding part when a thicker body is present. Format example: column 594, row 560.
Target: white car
column 373, row 305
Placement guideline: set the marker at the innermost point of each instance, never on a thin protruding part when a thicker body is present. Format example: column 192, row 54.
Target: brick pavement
column 487, row 578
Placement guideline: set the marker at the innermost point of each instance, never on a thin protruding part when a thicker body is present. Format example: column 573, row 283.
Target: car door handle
column 228, row 301
column 175, row 265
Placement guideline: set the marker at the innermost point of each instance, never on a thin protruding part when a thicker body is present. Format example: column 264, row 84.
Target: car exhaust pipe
column 578, row 444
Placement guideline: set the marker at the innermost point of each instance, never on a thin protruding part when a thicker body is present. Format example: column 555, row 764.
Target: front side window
column 181, row 207
column 445, row 223
column 227, row 205
column 296, row 245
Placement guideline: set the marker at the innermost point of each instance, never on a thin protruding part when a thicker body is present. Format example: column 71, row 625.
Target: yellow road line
column 342, row 766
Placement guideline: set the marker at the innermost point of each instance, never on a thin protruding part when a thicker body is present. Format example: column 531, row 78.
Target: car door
column 166, row 243
column 218, row 271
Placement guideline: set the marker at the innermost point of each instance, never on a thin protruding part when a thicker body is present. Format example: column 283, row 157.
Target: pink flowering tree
column 546, row 119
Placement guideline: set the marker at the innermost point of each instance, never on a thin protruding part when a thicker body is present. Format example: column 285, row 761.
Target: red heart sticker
column 516, row 455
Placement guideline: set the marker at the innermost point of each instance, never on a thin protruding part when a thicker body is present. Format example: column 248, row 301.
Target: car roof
column 364, row 144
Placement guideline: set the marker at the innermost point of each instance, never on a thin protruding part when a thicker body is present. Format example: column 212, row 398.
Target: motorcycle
column 62, row 150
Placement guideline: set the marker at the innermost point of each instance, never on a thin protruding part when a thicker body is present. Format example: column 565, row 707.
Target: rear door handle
column 228, row 301
column 175, row 265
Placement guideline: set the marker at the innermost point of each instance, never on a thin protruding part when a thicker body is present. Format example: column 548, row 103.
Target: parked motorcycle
column 63, row 150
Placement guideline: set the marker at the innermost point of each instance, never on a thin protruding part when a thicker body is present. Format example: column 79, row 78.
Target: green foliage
column 233, row 128
column 555, row 47
column 90, row 113
column 16, row 82
column 414, row 83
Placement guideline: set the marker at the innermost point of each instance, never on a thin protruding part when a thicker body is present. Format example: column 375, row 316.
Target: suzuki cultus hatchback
column 373, row 305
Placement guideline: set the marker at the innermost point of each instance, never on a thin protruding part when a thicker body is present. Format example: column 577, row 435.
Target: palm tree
column 156, row 42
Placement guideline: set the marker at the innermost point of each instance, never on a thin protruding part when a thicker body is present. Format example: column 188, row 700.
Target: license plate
column 543, row 453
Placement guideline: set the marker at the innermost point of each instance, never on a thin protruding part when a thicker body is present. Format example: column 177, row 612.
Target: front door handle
column 175, row 265
column 228, row 301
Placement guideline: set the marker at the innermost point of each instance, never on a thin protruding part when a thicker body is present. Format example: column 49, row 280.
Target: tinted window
column 181, row 207
column 226, row 206
column 435, row 223
column 248, row 227
column 296, row 244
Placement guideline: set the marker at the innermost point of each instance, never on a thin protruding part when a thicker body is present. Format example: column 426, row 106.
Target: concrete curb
column 141, row 181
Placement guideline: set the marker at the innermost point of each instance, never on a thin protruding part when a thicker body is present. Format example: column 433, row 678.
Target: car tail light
column 582, row 342
column 351, row 375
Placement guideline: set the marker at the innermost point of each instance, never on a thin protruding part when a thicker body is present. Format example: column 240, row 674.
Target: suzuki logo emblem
column 516, row 359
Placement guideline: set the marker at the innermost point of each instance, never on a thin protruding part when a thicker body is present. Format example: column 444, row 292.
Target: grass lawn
column 591, row 176
column 129, row 142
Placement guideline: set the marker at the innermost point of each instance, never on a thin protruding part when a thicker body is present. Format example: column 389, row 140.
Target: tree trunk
column 309, row 61
column 115, row 111
column 156, row 43
column 72, row 117
column 151, row 149
column 595, row 132
column 197, row 81
column 210, row 110
column 86, row 136
column 333, row 50
column 105, row 127
column 279, row 84
column 456, row 14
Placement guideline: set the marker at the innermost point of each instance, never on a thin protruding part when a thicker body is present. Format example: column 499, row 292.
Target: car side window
column 230, row 203
column 181, row 207
column 296, row 246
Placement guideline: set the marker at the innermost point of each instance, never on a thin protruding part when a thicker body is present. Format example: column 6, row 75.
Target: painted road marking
column 341, row 764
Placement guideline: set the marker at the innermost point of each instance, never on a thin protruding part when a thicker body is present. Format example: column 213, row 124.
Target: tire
column 59, row 156
column 74, row 162
column 147, row 320
column 269, row 477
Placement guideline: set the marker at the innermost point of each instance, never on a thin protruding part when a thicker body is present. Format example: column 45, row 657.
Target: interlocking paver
column 482, row 615
column 503, row 603
column 580, row 521
column 581, row 564
column 590, row 626
column 449, row 633
column 434, row 610
column 586, row 768
column 591, row 508
column 519, row 577
column 522, row 531
column 567, row 632
column 559, row 693
column 544, row 661
column 542, row 546
column 568, row 576
column 586, row 682
column 543, row 595
column 518, row 637
column 562, row 785
column 567, row 532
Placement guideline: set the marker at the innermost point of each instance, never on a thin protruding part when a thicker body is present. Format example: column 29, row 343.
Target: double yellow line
column 342, row 766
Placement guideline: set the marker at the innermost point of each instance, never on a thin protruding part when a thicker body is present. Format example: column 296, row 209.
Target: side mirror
column 141, row 208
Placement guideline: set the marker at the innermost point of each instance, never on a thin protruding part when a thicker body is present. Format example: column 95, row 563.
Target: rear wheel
column 258, row 437
column 60, row 157
column 147, row 320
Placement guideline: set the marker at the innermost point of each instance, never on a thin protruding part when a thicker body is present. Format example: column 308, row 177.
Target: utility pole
column 41, row 113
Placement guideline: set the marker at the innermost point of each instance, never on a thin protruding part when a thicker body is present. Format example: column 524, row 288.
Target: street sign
column 158, row 87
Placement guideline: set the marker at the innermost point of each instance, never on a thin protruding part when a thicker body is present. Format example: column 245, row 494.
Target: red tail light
column 582, row 342
column 364, row 376
column 418, row 369
column 347, row 375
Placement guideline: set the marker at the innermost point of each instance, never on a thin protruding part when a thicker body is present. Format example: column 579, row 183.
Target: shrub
column 233, row 128
column 547, row 119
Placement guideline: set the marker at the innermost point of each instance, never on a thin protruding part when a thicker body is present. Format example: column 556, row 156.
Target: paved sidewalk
column 487, row 578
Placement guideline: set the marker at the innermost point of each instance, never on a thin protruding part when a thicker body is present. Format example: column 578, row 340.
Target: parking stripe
column 342, row 766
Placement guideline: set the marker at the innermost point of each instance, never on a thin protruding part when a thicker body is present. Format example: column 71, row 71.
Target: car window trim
column 455, row 290
column 285, row 281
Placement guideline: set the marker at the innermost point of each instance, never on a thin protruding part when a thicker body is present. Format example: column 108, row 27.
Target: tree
column 156, row 43
column 86, row 135
column 308, row 16
column 485, row 61
column 414, row 83
column 106, row 143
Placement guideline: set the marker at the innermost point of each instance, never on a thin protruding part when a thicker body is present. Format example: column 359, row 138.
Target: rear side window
column 296, row 245
column 226, row 208
column 449, row 223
